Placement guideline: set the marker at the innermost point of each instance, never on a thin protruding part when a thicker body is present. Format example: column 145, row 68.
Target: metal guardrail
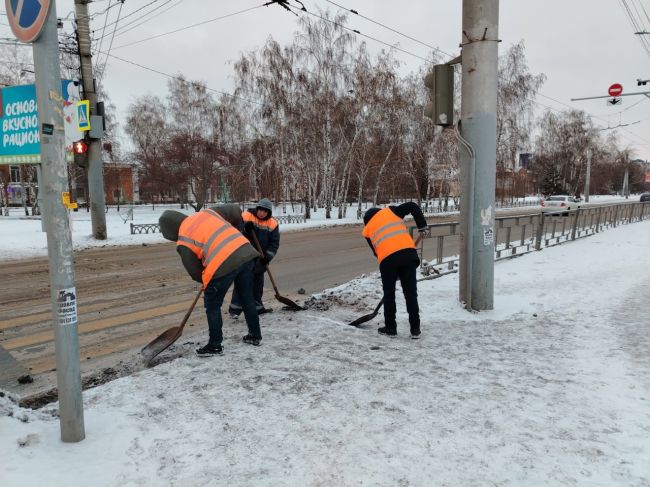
column 137, row 228
column 520, row 234
column 144, row 228
column 290, row 219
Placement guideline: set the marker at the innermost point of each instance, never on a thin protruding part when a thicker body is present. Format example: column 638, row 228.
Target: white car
column 556, row 204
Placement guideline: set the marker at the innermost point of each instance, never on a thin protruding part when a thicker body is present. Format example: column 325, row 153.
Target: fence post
column 575, row 224
column 616, row 216
column 131, row 228
column 540, row 231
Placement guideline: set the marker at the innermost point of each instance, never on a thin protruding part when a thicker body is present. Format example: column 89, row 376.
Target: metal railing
column 144, row 228
column 520, row 234
column 290, row 219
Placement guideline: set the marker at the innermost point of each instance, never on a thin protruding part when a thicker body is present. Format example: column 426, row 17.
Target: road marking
column 97, row 325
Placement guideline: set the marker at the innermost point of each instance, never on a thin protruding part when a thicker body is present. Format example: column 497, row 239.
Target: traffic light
column 80, row 151
column 440, row 82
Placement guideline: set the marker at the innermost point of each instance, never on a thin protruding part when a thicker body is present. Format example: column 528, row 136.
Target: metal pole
column 95, row 170
column 478, row 114
column 39, row 196
column 626, row 181
column 59, row 241
column 588, row 177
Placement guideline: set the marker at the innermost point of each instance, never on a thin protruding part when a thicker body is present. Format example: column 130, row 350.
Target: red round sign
column 615, row 90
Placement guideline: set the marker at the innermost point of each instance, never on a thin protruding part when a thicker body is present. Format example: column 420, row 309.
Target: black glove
column 248, row 227
column 264, row 261
column 425, row 232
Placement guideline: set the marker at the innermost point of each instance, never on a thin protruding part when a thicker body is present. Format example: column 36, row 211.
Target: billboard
column 19, row 135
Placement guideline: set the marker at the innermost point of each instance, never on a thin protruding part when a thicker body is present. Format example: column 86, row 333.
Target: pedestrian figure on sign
column 394, row 248
column 217, row 255
column 260, row 221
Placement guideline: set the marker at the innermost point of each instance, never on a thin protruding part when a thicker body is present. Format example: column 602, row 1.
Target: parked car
column 645, row 197
column 558, row 203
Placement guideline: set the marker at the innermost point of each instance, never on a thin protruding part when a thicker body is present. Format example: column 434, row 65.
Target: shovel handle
column 268, row 269
column 189, row 311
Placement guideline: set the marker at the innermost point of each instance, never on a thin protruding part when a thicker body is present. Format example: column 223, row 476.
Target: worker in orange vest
column 259, row 221
column 394, row 248
column 217, row 255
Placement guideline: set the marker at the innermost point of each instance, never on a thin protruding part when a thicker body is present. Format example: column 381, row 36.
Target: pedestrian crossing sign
column 83, row 115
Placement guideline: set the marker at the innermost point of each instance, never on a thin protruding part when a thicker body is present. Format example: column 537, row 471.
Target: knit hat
column 369, row 214
column 170, row 222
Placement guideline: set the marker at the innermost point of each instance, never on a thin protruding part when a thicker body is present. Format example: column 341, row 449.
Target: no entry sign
column 615, row 90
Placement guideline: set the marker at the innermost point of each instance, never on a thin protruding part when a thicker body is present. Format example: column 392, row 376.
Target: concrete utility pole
column 95, row 169
column 626, row 179
column 59, row 241
column 478, row 155
column 588, row 176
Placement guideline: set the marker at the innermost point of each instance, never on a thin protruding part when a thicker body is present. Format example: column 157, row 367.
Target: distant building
column 120, row 184
column 525, row 160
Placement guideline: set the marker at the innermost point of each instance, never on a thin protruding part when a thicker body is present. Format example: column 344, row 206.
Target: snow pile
column 550, row 388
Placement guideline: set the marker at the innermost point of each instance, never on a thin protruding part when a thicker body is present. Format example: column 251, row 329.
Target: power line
column 392, row 46
column 121, row 32
column 132, row 13
column 171, row 76
column 189, row 27
column 104, row 28
column 133, row 21
column 101, row 75
column 390, row 28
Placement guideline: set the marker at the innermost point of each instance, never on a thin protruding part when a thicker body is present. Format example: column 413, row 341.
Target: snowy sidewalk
column 550, row 388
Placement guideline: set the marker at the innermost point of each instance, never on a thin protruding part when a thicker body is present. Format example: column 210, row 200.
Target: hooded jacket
column 170, row 222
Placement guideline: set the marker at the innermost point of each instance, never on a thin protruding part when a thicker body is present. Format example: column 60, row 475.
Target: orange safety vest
column 270, row 224
column 387, row 233
column 211, row 238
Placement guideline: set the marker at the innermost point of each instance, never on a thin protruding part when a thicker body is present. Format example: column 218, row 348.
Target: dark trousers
column 235, row 307
column 216, row 290
column 401, row 265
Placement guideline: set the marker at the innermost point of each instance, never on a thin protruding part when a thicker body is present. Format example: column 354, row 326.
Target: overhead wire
column 101, row 74
column 188, row 27
column 123, row 25
column 594, row 117
column 120, row 31
column 101, row 39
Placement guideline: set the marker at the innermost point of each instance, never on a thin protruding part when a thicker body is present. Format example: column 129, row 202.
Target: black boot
column 251, row 340
column 385, row 331
column 209, row 350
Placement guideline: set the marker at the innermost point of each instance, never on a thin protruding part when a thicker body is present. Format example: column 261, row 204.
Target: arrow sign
column 615, row 90
column 615, row 101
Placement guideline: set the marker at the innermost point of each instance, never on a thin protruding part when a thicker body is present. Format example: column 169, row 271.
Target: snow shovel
column 286, row 301
column 370, row 316
column 168, row 337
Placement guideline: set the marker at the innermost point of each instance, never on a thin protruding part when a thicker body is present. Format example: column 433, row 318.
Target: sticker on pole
column 27, row 18
column 488, row 236
column 66, row 307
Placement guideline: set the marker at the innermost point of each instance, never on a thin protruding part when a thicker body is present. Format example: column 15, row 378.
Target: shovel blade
column 363, row 319
column 290, row 304
column 157, row 345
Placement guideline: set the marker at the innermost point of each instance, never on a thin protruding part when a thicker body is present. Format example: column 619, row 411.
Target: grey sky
column 581, row 45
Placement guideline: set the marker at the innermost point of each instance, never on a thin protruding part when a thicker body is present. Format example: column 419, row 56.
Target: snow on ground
column 550, row 388
column 22, row 237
